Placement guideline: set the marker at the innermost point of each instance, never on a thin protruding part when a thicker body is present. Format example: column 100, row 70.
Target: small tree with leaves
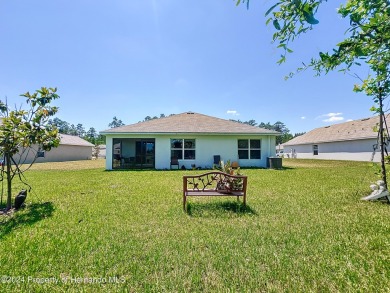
column 26, row 132
column 366, row 42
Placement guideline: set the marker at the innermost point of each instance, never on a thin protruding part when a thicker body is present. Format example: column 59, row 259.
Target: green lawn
column 305, row 230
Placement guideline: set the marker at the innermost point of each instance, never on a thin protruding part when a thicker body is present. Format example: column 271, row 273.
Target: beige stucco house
column 354, row 140
column 191, row 139
column 71, row 148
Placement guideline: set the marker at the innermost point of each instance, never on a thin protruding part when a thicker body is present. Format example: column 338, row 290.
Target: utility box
column 274, row 163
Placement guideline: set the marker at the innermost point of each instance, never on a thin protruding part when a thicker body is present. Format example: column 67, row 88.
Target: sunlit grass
column 304, row 229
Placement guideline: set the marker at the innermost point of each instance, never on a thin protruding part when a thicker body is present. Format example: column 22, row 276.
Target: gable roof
column 66, row 139
column 352, row 130
column 190, row 122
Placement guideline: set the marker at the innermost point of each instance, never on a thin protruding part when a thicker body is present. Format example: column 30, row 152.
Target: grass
column 305, row 229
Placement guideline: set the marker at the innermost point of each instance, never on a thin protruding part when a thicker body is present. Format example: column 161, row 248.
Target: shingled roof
column 352, row 130
column 66, row 139
column 189, row 122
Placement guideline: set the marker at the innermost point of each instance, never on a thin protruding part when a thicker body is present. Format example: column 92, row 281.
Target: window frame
column 315, row 150
column 248, row 149
column 186, row 145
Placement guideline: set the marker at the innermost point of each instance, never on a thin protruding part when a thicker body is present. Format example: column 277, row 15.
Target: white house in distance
column 71, row 148
column 353, row 140
column 192, row 139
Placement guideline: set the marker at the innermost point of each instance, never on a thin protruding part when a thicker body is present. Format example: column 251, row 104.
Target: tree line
column 90, row 135
column 95, row 138
column 277, row 126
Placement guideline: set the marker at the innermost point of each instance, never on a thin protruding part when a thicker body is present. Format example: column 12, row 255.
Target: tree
column 299, row 134
column 251, row 122
column 26, row 131
column 101, row 139
column 80, row 130
column 267, row 125
column 91, row 135
column 72, row 130
column 115, row 122
column 367, row 42
column 277, row 126
column 62, row 126
column 286, row 135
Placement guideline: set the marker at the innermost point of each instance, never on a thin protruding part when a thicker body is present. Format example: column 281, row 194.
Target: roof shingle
column 190, row 122
column 66, row 139
column 352, row 130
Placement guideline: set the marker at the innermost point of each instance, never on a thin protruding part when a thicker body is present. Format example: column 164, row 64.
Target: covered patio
column 133, row 153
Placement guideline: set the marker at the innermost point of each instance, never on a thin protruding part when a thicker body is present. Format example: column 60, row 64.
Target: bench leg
column 184, row 202
column 244, row 199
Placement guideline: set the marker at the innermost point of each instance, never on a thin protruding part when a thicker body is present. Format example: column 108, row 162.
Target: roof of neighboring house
column 67, row 139
column 190, row 122
column 352, row 130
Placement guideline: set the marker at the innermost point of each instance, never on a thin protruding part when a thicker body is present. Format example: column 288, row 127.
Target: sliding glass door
column 133, row 153
column 145, row 153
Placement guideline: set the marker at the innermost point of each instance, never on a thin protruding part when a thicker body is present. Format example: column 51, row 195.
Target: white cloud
column 232, row 112
column 303, row 117
column 331, row 117
column 333, row 114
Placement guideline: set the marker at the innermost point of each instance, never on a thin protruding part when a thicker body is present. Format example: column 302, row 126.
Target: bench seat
column 214, row 184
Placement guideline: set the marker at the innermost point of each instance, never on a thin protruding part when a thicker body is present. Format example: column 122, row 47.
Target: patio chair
column 175, row 162
column 217, row 160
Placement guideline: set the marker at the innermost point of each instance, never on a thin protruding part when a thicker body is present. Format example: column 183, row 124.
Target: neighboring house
column 353, row 140
column 191, row 138
column 102, row 151
column 71, row 148
column 279, row 150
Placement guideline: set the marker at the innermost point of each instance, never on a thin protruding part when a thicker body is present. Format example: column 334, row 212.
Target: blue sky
column 131, row 59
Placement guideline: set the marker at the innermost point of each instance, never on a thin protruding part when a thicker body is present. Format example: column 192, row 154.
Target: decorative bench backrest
column 215, row 181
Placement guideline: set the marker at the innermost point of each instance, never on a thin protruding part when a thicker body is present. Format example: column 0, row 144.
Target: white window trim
column 183, row 149
column 249, row 148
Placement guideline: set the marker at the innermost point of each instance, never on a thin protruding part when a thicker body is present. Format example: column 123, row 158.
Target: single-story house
column 102, row 151
column 71, row 148
column 279, row 150
column 354, row 140
column 189, row 139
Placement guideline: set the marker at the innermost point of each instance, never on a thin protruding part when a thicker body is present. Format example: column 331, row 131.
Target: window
column 315, row 149
column 40, row 154
column 183, row 149
column 249, row 149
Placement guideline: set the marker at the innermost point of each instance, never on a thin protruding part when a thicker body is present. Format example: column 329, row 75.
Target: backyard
column 304, row 229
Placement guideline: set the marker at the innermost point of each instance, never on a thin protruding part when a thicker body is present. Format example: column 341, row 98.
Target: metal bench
column 214, row 184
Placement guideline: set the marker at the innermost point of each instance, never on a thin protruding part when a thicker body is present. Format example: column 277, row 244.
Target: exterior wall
column 356, row 150
column 63, row 153
column 102, row 151
column 206, row 147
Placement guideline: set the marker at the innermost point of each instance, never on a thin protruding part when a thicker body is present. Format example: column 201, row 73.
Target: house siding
column 61, row 154
column 354, row 150
column 206, row 147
